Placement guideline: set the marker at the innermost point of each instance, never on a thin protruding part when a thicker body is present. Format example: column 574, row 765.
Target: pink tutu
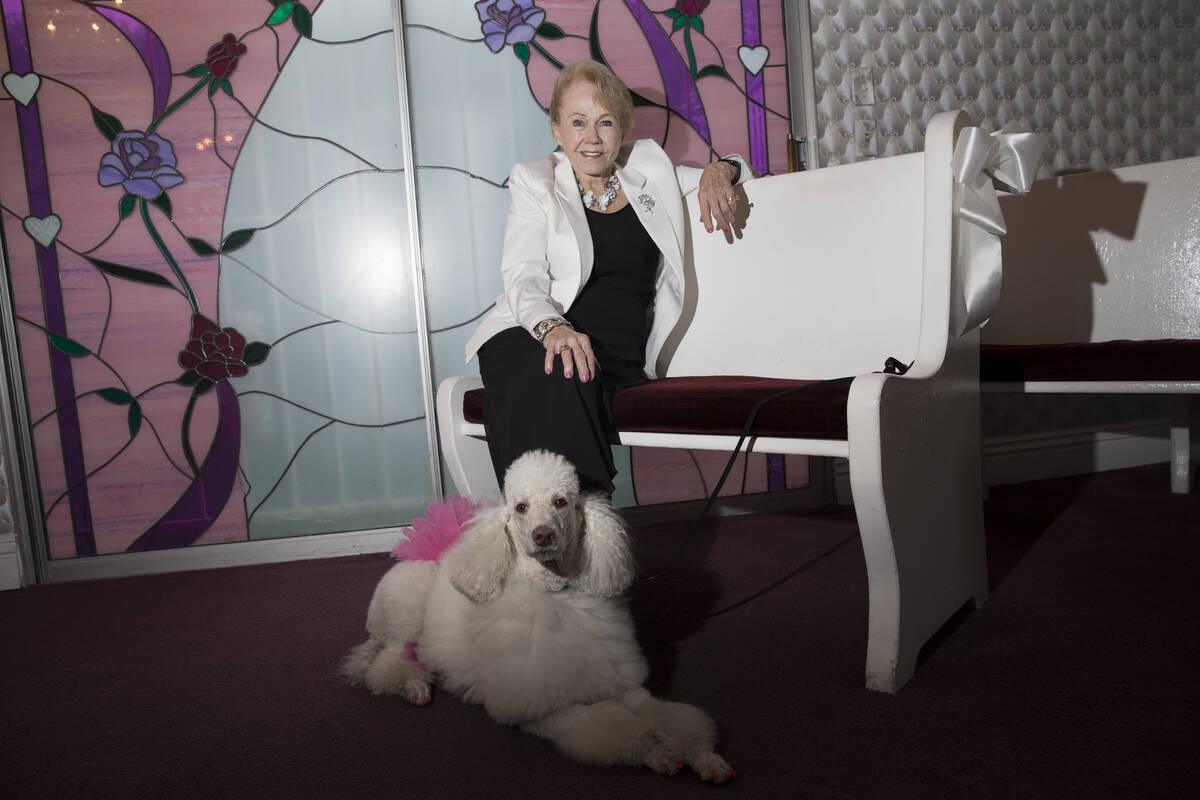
column 433, row 534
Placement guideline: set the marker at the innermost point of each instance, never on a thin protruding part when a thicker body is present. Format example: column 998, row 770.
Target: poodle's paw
column 418, row 692
column 662, row 761
column 711, row 767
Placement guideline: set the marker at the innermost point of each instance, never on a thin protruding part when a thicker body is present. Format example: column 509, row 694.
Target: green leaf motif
column 673, row 12
column 713, row 69
column 163, row 202
column 197, row 71
column 226, row 86
column 69, row 346
column 109, row 125
column 135, row 419
column 639, row 100
column 594, row 39
column 130, row 273
column 213, row 85
column 202, row 386
column 189, row 378
column 115, row 396
column 697, row 24
column 280, row 13
column 256, row 353
column 522, row 51
column 679, row 22
column 548, row 30
column 200, row 247
column 302, row 19
column 237, row 239
column 126, row 206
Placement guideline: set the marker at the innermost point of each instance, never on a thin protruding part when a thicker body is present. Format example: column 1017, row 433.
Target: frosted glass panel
column 473, row 118
column 334, row 438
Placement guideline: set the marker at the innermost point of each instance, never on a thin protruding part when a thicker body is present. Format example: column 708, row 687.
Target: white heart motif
column 22, row 87
column 753, row 58
column 43, row 230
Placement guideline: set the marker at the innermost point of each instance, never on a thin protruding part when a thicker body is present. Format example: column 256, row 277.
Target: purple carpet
column 1076, row 680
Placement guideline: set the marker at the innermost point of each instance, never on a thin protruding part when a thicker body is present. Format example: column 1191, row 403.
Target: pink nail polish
column 708, row 229
column 547, row 370
column 567, row 374
column 584, row 379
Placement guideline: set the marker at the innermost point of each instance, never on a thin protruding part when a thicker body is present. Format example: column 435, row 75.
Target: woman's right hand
column 575, row 348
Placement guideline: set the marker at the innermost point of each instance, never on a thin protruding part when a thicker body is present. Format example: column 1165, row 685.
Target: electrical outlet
column 864, row 87
column 866, row 139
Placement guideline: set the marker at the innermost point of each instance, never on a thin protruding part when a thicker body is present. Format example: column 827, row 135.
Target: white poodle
column 522, row 615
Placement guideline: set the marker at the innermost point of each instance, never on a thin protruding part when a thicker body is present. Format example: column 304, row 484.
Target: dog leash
column 891, row 366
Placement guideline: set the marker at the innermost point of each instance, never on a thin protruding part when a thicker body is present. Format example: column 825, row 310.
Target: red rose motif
column 223, row 56
column 691, row 8
column 213, row 352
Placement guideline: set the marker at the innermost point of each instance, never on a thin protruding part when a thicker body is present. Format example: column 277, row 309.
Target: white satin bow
column 1011, row 158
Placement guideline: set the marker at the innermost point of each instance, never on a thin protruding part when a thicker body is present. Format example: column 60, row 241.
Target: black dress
column 527, row 409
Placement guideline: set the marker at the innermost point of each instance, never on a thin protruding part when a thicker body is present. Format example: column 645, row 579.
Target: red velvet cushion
column 720, row 405
column 1163, row 359
column 473, row 406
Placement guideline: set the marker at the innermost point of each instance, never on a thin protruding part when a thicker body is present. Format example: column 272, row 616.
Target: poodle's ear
column 480, row 561
column 607, row 561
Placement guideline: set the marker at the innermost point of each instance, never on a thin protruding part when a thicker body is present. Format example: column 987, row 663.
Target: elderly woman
column 593, row 276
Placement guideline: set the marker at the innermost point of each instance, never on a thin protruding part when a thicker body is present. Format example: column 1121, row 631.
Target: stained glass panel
column 205, row 248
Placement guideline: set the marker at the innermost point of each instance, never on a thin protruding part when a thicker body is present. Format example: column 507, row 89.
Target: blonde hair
column 611, row 93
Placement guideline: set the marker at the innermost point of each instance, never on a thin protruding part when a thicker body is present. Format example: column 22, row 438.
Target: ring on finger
column 564, row 347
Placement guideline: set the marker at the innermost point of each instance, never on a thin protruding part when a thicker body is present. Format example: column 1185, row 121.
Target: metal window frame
column 16, row 438
column 802, row 92
column 416, row 263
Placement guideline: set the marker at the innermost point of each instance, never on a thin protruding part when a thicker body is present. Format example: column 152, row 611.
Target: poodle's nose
column 543, row 535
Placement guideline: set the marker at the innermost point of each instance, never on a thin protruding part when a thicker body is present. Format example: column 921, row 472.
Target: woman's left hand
column 715, row 193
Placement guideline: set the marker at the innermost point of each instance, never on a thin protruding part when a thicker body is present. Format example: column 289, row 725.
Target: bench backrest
column 1103, row 256
column 834, row 270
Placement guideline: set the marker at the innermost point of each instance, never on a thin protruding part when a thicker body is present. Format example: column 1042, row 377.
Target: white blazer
column 547, row 256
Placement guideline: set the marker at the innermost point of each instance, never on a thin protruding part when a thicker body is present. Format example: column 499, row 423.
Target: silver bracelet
column 545, row 326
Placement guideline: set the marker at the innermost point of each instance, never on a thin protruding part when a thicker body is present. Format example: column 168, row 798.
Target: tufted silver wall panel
column 1108, row 82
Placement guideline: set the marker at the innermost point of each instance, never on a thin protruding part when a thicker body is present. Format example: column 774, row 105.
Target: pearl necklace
column 610, row 193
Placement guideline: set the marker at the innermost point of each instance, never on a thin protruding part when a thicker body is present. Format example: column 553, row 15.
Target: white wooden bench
column 834, row 271
column 1102, row 293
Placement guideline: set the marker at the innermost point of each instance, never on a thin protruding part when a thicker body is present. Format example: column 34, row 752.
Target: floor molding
column 332, row 545
column 10, row 564
column 1008, row 459
column 1057, row 454
column 230, row 554
column 1014, row 459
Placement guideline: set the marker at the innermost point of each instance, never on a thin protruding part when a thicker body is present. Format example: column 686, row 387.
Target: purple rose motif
column 143, row 163
column 508, row 21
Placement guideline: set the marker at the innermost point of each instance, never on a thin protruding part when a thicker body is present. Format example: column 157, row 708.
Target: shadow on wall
column 1050, row 259
column 690, row 282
